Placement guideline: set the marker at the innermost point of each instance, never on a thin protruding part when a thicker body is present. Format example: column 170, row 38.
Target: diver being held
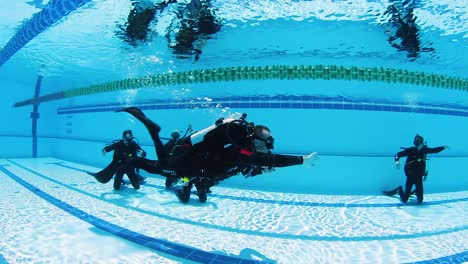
column 203, row 159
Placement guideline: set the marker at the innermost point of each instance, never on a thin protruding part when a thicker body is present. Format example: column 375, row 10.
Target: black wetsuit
column 415, row 169
column 224, row 151
column 406, row 37
column 198, row 22
column 123, row 152
column 172, row 147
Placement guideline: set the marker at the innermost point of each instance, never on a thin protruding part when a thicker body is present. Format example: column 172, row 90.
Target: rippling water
column 252, row 33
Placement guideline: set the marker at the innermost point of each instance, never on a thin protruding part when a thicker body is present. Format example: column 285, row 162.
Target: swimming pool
column 346, row 79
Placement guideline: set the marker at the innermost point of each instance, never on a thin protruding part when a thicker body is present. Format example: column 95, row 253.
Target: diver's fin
column 391, row 192
column 101, row 178
column 131, row 110
column 138, row 114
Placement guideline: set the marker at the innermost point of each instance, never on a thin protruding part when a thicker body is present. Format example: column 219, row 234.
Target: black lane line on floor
column 298, row 203
column 180, row 251
column 257, row 233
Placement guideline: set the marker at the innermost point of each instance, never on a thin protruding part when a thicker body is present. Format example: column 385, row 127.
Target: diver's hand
column 446, row 147
column 310, row 159
column 104, row 152
column 268, row 170
column 397, row 164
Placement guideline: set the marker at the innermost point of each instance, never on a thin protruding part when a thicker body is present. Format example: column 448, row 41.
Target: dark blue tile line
column 281, row 101
column 250, row 232
column 298, row 203
column 180, row 251
column 459, row 258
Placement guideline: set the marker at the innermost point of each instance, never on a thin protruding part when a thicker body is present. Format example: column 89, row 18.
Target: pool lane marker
column 295, row 203
column 163, row 246
column 250, row 232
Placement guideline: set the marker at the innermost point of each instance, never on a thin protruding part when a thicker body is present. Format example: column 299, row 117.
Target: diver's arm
column 110, row 147
column 272, row 160
column 402, row 153
column 435, row 150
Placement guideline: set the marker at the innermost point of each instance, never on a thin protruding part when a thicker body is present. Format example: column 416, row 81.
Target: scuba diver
column 124, row 149
column 415, row 168
column 171, row 147
column 406, row 36
column 137, row 27
column 203, row 159
column 193, row 25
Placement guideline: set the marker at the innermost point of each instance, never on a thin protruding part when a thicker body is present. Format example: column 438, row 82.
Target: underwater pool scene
column 206, row 131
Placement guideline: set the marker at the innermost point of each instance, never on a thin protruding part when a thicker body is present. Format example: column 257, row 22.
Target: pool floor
column 53, row 212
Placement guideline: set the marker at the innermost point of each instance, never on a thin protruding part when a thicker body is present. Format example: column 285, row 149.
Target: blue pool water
column 351, row 80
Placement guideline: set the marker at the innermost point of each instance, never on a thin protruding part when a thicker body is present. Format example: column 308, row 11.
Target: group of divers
column 195, row 22
column 229, row 147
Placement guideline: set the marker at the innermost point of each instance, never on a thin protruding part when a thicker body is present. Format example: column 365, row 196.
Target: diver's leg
column 170, row 181
column 105, row 175
column 140, row 178
column 405, row 194
column 151, row 166
column 134, row 179
column 419, row 189
column 152, row 128
column 202, row 185
column 118, row 180
column 184, row 193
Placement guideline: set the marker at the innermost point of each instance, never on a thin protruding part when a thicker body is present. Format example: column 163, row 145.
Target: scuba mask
column 175, row 134
column 127, row 135
column 418, row 140
column 269, row 141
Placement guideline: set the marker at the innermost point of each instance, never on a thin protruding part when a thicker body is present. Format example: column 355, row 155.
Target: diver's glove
column 141, row 153
column 254, row 171
column 397, row 164
column 268, row 169
column 310, row 159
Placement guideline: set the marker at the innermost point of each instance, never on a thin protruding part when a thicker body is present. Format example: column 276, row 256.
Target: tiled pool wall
column 367, row 131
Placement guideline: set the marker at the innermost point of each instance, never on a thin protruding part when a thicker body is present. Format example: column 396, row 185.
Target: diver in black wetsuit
column 137, row 27
column 124, row 149
column 415, row 168
column 171, row 147
column 406, row 36
column 193, row 25
column 228, row 148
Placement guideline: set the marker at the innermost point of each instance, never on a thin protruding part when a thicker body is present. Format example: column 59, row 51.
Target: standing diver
column 124, row 149
column 227, row 148
column 415, row 168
